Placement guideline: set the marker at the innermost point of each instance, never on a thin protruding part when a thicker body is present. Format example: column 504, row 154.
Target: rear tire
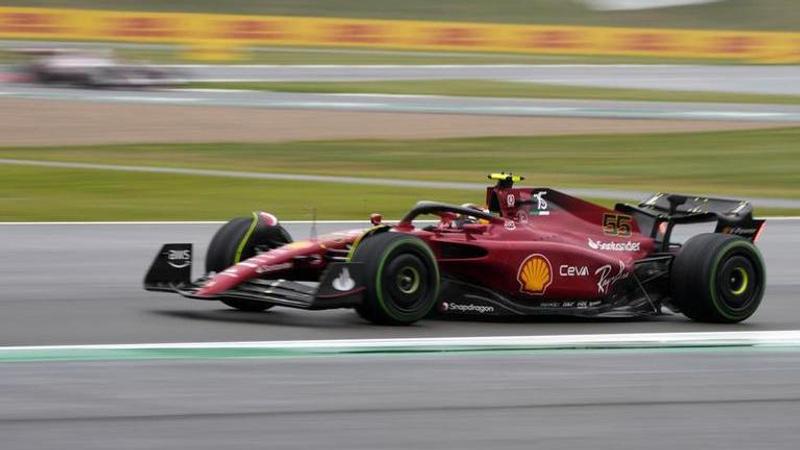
column 401, row 278
column 238, row 240
column 718, row 278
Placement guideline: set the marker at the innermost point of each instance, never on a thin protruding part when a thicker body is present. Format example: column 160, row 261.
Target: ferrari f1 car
column 529, row 251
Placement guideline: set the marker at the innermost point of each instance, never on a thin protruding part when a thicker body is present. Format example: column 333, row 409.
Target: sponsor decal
column 572, row 304
column 739, row 231
column 510, row 200
column 510, row 225
column 466, row 308
column 541, row 204
column 573, row 271
column 555, row 39
column 251, row 29
column 272, row 268
column 617, row 225
column 29, row 22
column 605, row 280
column 535, row 274
column 627, row 246
column 142, row 26
column 343, row 282
column 457, row 36
column 522, row 217
column 197, row 29
column 356, row 33
column 179, row 258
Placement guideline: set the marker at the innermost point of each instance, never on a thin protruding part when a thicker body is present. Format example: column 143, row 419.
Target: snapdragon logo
column 468, row 308
column 627, row 246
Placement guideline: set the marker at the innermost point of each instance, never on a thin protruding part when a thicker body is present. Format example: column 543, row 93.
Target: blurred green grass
column 728, row 14
column 762, row 163
column 503, row 89
column 47, row 194
column 748, row 162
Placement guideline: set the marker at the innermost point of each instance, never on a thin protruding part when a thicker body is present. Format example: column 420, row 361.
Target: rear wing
column 661, row 212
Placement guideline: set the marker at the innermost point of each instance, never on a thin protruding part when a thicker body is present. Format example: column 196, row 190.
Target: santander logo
column 627, row 246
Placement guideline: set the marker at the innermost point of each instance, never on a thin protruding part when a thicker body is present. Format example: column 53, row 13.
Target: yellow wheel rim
column 744, row 281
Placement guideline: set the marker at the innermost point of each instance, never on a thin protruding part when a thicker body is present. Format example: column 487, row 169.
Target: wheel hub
column 738, row 281
column 408, row 280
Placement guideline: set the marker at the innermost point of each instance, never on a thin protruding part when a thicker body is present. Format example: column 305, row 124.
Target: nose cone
column 273, row 261
column 229, row 278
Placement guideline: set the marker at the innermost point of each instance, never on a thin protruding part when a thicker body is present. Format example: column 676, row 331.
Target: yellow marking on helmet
column 505, row 176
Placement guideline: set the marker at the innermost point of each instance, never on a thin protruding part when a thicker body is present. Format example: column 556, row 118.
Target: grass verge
column 501, row 89
column 734, row 163
column 46, row 194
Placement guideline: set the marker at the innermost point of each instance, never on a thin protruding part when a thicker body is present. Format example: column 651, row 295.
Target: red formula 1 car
column 533, row 251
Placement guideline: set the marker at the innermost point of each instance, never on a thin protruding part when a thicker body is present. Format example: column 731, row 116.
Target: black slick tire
column 238, row 240
column 401, row 278
column 718, row 278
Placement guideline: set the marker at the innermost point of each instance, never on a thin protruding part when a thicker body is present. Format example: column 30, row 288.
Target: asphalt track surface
column 421, row 104
column 726, row 400
column 80, row 284
column 762, row 79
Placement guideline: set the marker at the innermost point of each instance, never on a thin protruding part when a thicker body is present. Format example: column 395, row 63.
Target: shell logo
column 535, row 274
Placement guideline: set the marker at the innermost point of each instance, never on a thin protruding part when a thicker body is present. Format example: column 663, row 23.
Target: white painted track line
column 628, row 340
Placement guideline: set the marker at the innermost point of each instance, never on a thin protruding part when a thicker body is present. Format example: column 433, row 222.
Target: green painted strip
column 110, row 354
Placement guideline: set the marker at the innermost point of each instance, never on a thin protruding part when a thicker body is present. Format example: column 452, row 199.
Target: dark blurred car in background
column 91, row 69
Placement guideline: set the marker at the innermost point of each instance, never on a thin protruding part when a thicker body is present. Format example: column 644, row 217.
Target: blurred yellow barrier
column 221, row 36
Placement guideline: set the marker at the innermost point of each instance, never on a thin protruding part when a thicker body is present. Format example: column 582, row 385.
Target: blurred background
column 125, row 123
column 609, row 98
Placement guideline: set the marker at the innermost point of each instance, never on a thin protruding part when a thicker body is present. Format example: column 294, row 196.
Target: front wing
column 340, row 285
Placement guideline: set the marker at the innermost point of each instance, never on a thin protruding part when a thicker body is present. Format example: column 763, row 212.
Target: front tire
column 718, row 278
column 401, row 277
column 238, row 240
